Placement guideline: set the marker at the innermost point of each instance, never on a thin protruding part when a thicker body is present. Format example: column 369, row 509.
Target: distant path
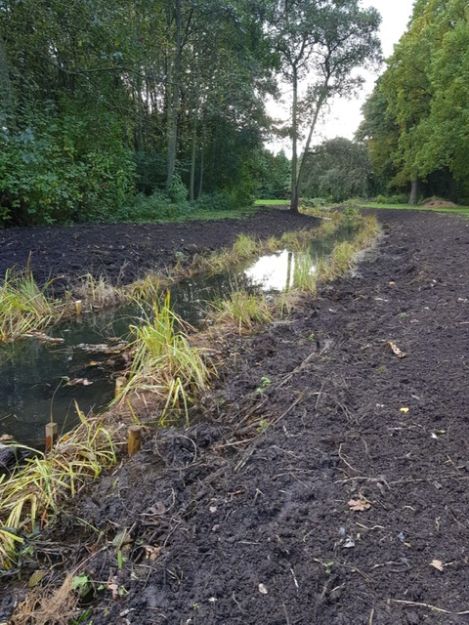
column 124, row 252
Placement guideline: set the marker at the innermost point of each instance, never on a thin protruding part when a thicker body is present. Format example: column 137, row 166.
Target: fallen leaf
column 36, row 578
column 438, row 565
column 152, row 553
column 404, row 410
column 359, row 505
column 395, row 350
column 79, row 382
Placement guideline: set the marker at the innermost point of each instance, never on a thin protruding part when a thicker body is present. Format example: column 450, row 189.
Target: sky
column 343, row 116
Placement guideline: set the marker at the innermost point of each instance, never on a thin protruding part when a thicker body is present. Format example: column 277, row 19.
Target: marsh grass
column 98, row 292
column 243, row 310
column 35, row 491
column 24, row 307
column 304, row 273
column 164, row 362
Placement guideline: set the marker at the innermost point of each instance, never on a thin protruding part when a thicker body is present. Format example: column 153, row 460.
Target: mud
column 325, row 496
column 123, row 253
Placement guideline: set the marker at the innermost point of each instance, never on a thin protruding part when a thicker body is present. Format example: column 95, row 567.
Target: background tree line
column 417, row 120
column 109, row 108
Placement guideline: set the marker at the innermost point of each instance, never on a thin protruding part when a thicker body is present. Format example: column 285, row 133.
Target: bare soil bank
column 331, row 498
column 124, row 252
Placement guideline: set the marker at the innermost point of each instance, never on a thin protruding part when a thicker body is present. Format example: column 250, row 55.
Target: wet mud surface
column 123, row 253
column 323, row 498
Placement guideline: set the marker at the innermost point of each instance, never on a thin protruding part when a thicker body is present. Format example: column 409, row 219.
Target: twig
column 428, row 606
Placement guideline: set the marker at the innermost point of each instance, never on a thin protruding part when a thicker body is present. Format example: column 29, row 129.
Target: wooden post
column 121, row 381
column 51, row 435
column 134, row 439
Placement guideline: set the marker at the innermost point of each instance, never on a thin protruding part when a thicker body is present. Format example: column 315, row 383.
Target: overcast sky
column 344, row 116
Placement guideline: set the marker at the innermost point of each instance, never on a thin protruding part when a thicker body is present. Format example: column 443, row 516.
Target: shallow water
column 35, row 377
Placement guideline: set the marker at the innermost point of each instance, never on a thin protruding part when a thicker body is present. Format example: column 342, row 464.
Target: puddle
column 33, row 375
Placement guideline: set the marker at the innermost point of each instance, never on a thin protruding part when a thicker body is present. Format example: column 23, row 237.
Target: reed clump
column 243, row 310
column 35, row 491
column 24, row 307
column 164, row 363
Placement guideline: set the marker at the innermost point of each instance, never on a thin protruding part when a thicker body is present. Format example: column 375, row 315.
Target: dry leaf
column 438, row 565
column 79, row 382
column 404, row 410
column 152, row 553
column 395, row 350
column 359, row 505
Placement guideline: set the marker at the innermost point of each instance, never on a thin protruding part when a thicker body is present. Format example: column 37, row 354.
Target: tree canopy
column 417, row 120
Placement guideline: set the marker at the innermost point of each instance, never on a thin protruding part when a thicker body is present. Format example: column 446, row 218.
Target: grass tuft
column 24, row 307
column 164, row 363
column 244, row 310
column 31, row 495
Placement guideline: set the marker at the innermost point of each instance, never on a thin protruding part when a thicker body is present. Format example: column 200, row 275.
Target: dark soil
column 124, row 252
column 245, row 518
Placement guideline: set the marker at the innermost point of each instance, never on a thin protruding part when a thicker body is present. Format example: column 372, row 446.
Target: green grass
column 205, row 215
column 458, row 210
column 244, row 310
column 24, row 307
column 272, row 203
column 164, row 363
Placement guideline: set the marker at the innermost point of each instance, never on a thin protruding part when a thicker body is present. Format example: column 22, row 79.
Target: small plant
column 245, row 246
column 24, row 307
column 304, row 273
column 98, row 292
column 245, row 310
column 164, row 363
column 29, row 497
column 264, row 384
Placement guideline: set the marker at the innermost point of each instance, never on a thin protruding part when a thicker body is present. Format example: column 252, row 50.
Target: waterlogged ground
column 40, row 382
column 335, row 494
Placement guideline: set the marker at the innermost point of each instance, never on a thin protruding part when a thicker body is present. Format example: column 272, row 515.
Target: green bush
column 217, row 201
column 177, row 191
column 400, row 198
column 49, row 174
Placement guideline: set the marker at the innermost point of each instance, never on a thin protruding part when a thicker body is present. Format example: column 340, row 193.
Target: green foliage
column 337, row 169
column 417, row 120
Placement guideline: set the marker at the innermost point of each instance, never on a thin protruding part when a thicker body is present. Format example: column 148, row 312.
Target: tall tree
column 320, row 42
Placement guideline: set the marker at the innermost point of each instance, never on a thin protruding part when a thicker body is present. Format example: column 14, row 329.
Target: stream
column 40, row 382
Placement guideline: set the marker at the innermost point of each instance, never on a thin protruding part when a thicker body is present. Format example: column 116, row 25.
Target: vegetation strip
column 167, row 366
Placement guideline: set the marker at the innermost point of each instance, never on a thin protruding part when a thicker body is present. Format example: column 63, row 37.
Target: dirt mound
column 435, row 202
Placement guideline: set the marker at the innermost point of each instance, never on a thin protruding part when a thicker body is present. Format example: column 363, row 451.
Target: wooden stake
column 51, row 435
column 134, row 439
column 121, row 381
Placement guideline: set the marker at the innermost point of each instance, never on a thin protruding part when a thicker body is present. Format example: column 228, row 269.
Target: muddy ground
column 123, row 253
column 336, row 495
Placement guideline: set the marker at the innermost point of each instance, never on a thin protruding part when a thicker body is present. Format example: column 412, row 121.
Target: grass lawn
column 459, row 210
column 204, row 215
column 272, row 202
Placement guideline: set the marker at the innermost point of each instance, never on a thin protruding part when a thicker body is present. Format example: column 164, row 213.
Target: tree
column 337, row 169
column 320, row 42
column 416, row 122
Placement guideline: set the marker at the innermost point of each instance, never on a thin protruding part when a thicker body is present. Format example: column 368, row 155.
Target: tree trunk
column 174, row 77
column 414, row 191
column 294, row 203
column 202, row 165
column 312, row 128
column 193, row 163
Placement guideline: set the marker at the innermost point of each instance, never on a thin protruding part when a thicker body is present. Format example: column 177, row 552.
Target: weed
column 304, row 273
column 245, row 246
column 24, row 307
column 244, row 310
column 264, row 384
column 164, row 363
column 30, row 496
